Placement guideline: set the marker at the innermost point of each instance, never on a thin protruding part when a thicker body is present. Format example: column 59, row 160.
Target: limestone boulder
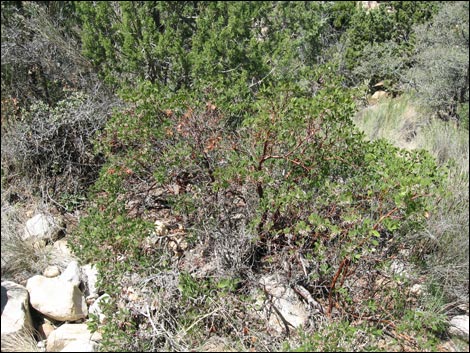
column 51, row 271
column 62, row 247
column 378, row 96
column 90, row 278
column 72, row 338
column 72, row 274
column 286, row 304
column 59, row 298
column 15, row 308
column 369, row 5
column 42, row 227
column 459, row 327
column 79, row 346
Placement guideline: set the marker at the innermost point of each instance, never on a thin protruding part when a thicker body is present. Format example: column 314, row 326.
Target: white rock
column 15, row 308
column 160, row 228
column 291, row 309
column 42, row 346
column 90, row 274
column 51, row 271
column 72, row 274
column 79, row 346
column 417, row 290
column 62, row 246
column 46, row 328
column 57, row 299
column 41, row 227
column 286, row 302
column 369, row 5
column 377, row 96
column 399, row 268
column 78, row 334
column 459, row 327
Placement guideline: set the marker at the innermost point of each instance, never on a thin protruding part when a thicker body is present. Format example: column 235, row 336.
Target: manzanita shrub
column 295, row 174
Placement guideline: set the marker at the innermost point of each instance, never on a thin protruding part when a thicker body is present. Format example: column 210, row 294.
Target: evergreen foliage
column 379, row 41
column 234, row 129
column 440, row 73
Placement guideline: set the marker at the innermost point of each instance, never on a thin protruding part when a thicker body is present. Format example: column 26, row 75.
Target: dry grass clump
column 443, row 245
column 395, row 120
column 21, row 341
column 22, row 259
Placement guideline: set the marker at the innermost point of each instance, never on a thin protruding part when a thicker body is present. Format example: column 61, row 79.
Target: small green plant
column 191, row 288
column 339, row 336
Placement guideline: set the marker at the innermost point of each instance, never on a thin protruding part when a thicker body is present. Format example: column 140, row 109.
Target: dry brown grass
column 22, row 259
column 443, row 245
column 21, row 341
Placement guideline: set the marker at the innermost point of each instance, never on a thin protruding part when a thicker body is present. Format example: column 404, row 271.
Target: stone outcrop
column 378, row 96
column 72, row 338
column 72, row 274
column 62, row 247
column 42, row 227
column 90, row 278
column 369, row 5
column 59, row 298
column 286, row 307
column 51, row 271
column 459, row 327
column 15, row 308
column 79, row 346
